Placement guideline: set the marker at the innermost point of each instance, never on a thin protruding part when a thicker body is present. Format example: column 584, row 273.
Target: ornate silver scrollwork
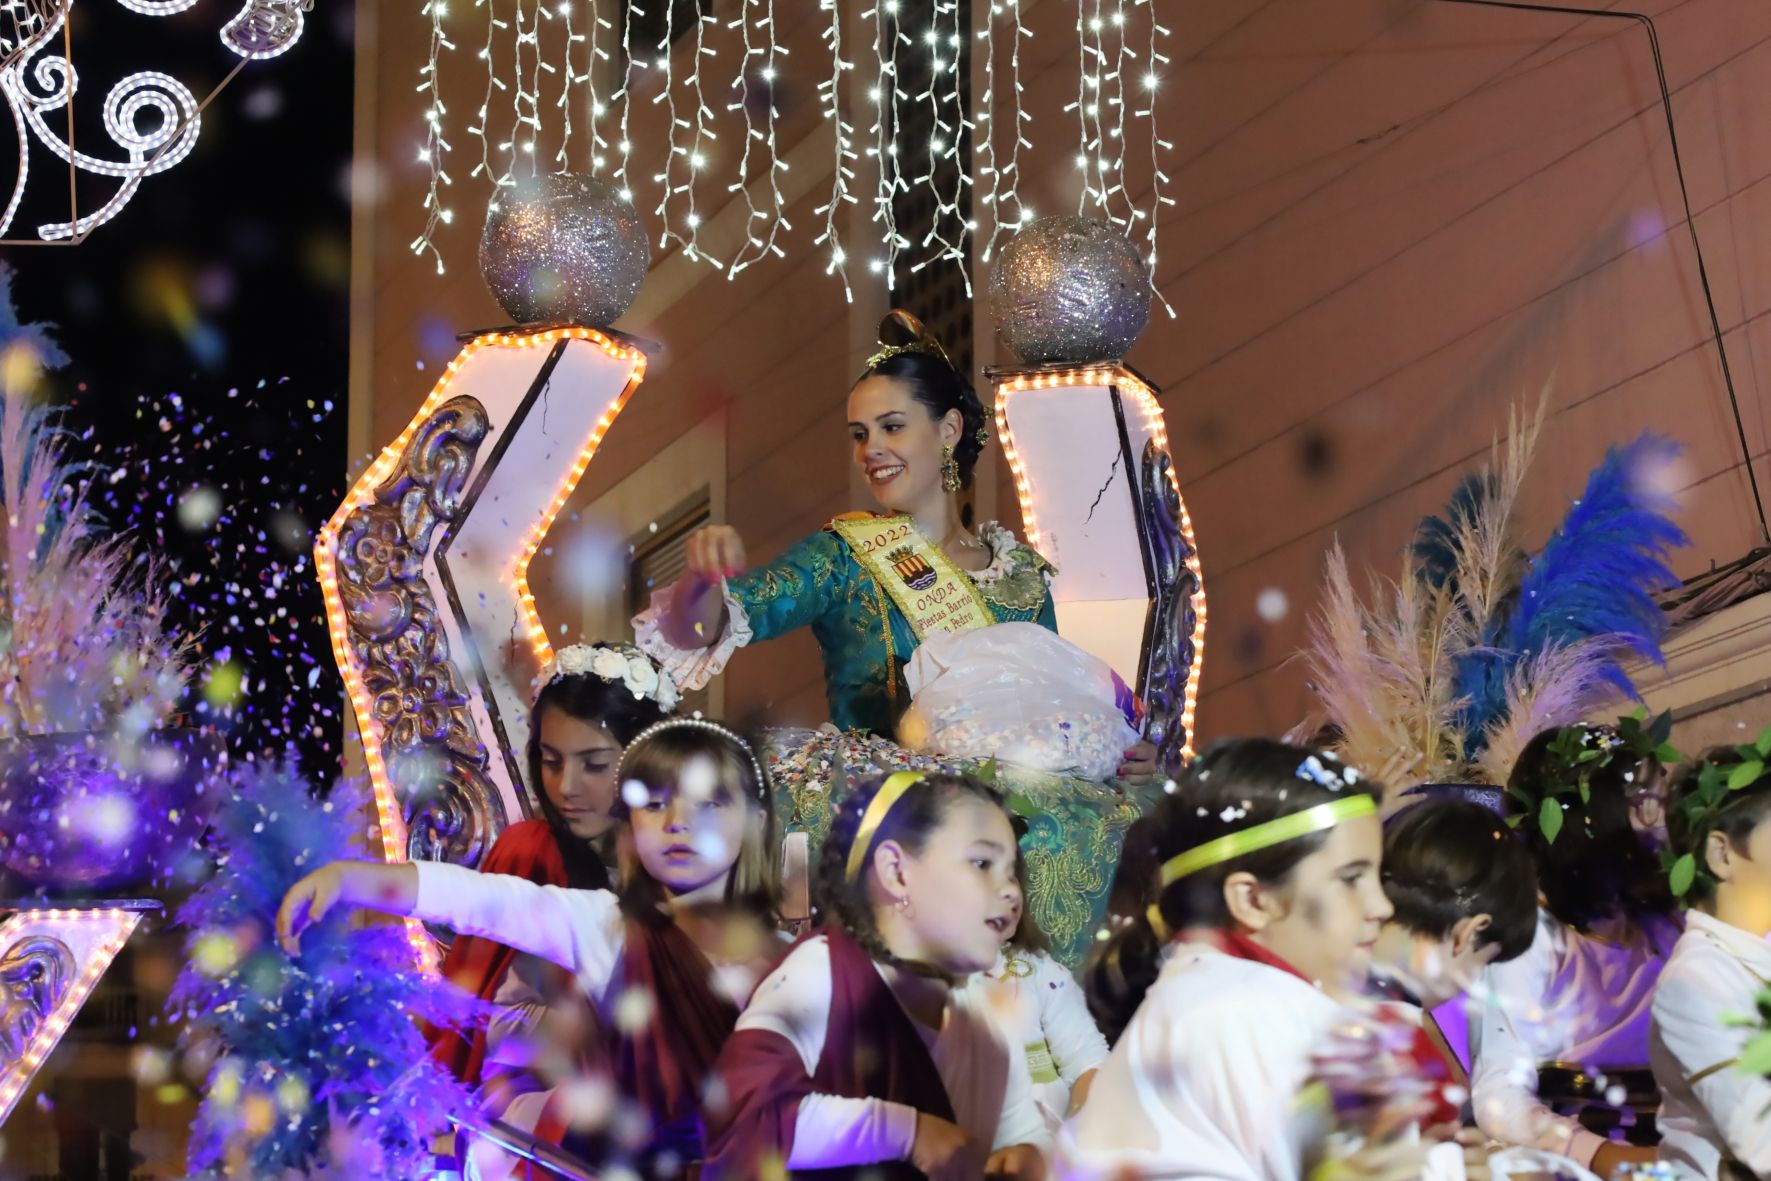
column 434, row 756
column 1169, row 648
column 34, row 975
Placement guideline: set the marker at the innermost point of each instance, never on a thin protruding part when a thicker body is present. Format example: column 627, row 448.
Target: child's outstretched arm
column 372, row 885
column 580, row 930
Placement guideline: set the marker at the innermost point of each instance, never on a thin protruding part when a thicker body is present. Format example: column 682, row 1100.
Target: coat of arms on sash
column 913, row 568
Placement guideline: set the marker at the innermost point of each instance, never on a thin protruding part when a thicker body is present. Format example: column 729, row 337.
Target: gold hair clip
column 927, row 345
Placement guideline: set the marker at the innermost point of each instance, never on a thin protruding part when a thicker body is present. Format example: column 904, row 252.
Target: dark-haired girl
column 666, row 960
column 1713, row 1114
column 1579, row 997
column 863, row 1053
column 594, row 700
column 1265, row 907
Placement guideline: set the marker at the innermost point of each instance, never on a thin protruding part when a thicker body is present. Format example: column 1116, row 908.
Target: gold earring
column 949, row 469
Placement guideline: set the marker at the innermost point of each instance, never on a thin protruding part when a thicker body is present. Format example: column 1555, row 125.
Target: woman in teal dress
column 872, row 586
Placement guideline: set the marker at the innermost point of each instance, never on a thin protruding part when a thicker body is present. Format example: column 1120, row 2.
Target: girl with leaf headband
column 1710, row 1067
column 1590, row 802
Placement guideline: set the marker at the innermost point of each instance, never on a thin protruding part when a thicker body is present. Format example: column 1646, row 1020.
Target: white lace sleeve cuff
column 690, row 668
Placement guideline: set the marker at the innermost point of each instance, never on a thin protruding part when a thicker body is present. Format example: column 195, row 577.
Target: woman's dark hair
column 1598, row 867
column 1746, row 808
column 1236, row 784
column 1447, row 860
column 936, row 385
column 658, row 760
column 909, row 822
column 609, row 704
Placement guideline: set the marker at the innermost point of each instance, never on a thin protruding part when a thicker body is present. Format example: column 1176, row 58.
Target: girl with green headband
column 1263, row 911
column 1714, row 1105
column 863, row 1055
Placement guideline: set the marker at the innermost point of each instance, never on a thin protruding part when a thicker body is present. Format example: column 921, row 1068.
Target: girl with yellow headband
column 863, row 1054
column 665, row 961
column 1264, row 911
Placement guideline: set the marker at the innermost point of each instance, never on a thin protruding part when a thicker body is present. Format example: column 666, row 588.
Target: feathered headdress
column 1480, row 645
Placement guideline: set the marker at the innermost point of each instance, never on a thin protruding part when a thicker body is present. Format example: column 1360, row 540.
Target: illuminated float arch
column 425, row 566
column 1088, row 447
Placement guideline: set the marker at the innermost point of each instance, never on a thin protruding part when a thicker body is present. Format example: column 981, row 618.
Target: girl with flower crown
column 594, row 700
column 666, row 959
column 873, row 586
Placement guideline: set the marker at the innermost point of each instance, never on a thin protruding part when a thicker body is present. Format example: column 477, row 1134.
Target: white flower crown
column 612, row 663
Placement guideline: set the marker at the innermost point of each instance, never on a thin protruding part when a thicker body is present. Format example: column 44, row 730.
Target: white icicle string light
column 625, row 97
column 597, row 55
column 756, row 249
column 568, row 77
column 537, row 64
column 831, row 92
column 1155, row 59
column 435, row 146
column 666, row 180
column 698, row 151
column 944, row 48
column 888, row 34
column 479, row 129
column 1116, row 136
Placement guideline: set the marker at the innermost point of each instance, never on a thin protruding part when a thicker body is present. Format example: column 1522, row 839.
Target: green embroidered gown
column 1074, row 827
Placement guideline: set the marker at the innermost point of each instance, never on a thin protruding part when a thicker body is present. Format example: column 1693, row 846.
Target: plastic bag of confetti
column 1021, row 694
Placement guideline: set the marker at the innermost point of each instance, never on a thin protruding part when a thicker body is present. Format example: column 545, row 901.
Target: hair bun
column 899, row 329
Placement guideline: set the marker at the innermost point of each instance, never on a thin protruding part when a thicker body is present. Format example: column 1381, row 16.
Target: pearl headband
column 762, row 784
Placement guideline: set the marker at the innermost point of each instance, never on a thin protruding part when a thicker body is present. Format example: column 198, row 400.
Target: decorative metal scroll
column 1169, row 652
column 434, row 757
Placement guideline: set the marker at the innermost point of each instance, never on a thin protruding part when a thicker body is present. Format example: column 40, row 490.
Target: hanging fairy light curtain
column 568, row 85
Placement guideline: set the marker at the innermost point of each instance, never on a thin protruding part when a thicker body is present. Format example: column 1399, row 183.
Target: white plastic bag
column 1018, row 693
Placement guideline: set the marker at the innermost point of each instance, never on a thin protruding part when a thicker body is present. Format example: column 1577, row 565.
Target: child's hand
column 389, row 888
column 937, row 1143
column 1017, row 1162
column 1139, row 767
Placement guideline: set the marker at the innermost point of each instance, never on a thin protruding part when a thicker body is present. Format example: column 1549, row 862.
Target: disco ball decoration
column 564, row 248
column 1070, row 289
column 98, row 811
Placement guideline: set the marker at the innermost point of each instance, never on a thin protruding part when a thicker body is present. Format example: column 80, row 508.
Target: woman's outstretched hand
column 1139, row 767
column 392, row 889
column 715, row 552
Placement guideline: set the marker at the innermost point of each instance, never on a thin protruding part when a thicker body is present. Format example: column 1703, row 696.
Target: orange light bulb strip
column 16, row 1077
column 389, row 819
column 1151, row 409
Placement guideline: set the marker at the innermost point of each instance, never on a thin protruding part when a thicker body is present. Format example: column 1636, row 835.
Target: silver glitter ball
column 564, row 248
column 1070, row 289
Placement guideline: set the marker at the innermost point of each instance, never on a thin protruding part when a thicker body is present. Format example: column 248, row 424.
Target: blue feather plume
column 1597, row 575
column 323, row 1043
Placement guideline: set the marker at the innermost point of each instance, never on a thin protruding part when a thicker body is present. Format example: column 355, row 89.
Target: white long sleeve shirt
column 1571, row 998
column 1204, row 1081
column 1710, row 1111
column 1042, row 1008
column 986, row 1080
